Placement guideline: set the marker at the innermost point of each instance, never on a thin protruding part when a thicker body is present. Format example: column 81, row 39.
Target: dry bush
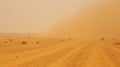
column 48, row 39
column 17, row 57
column 62, row 40
column 117, row 43
column 102, row 38
column 37, row 42
column 23, row 42
column 10, row 40
column 69, row 39
column 5, row 42
column 29, row 37
column 112, row 38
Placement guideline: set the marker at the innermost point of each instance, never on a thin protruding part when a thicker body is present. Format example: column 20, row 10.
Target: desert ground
column 34, row 51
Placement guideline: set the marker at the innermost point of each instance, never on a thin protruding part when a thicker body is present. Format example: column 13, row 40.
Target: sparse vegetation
column 5, row 42
column 10, row 40
column 17, row 57
column 23, row 42
column 22, row 48
column 102, row 38
column 62, row 40
column 69, row 39
column 48, row 39
column 112, row 38
column 29, row 37
column 118, row 43
column 37, row 42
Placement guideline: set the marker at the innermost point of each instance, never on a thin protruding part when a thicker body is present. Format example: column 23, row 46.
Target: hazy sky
column 35, row 16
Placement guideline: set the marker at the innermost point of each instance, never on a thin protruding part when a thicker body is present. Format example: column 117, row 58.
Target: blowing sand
column 30, row 51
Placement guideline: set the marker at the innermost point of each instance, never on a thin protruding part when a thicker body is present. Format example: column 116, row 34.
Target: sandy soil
column 52, row 52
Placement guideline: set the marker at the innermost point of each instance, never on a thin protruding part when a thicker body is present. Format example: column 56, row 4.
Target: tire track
column 36, row 59
column 113, row 55
column 73, row 58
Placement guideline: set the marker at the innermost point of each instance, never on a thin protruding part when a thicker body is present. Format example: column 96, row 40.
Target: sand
column 31, row 51
column 88, row 39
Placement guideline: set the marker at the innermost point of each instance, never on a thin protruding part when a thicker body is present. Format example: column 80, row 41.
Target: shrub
column 37, row 42
column 5, row 42
column 118, row 43
column 69, row 39
column 10, row 40
column 112, row 38
column 102, row 38
column 62, row 40
column 23, row 42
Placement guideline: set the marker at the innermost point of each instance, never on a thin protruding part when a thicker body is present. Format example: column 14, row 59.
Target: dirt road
column 66, row 54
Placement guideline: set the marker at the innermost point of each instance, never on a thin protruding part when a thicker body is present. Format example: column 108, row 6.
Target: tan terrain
column 31, row 51
column 66, row 44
